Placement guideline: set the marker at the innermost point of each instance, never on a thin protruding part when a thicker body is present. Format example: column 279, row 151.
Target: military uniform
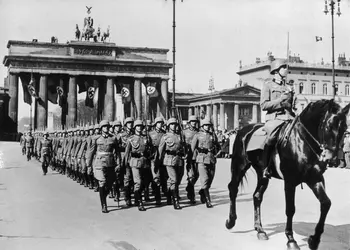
column 136, row 154
column 29, row 143
column 89, row 170
column 206, row 146
column 172, row 151
column 103, row 147
column 45, row 149
column 81, row 158
column 191, row 166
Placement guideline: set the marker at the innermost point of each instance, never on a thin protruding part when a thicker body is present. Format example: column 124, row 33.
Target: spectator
column 346, row 149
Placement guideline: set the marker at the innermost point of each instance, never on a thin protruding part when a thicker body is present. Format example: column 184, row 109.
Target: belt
column 136, row 155
column 104, row 153
column 203, row 150
column 169, row 152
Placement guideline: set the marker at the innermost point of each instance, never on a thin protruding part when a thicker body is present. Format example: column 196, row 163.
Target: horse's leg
column 258, row 198
column 289, row 190
column 233, row 190
column 320, row 192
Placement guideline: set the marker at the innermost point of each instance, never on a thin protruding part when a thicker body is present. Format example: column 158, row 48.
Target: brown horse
column 306, row 146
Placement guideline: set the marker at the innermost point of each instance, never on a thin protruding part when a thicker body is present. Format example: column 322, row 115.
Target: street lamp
column 173, row 108
column 211, row 89
column 332, row 7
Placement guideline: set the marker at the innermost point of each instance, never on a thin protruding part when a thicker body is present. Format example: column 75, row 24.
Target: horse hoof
column 292, row 245
column 262, row 236
column 313, row 243
column 230, row 224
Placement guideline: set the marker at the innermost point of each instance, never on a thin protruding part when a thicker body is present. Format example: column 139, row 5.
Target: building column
column 72, row 102
column 189, row 112
column 215, row 116
column 42, row 103
column 13, row 103
column 138, row 98
column 109, row 101
column 209, row 112
column 222, row 116
column 255, row 113
column 164, row 98
column 236, row 116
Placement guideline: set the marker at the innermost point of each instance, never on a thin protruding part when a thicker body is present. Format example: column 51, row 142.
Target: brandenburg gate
column 63, row 69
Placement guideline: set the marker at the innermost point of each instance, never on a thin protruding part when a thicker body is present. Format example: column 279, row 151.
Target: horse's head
column 331, row 131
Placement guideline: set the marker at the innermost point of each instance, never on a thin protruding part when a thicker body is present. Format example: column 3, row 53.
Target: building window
column 313, row 88
column 336, row 89
column 301, row 88
column 347, row 92
column 325, row 89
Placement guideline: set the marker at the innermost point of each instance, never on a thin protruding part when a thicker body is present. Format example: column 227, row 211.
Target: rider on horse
column 277, row 100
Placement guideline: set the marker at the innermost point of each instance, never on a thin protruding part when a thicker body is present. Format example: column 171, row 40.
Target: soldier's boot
column 103, row 200
column 91, row 181
column 178, row 195
column 202, row 195
column 157, row 196
column 190, row 193
column 86, row 180
column 266, row 159
column 154, row 187
column 127, row 197
column 175, row 200
column 96, row 185
column 117, row 194
column 82, row 179
column 138, row 200
column 111, row 192
column 147, row 193
column 207, row 198
column 168, row 197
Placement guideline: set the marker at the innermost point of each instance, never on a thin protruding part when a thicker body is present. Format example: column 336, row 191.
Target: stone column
column 138, row 98
column 72, row 102
column 236, row 116
column 109, row 101
column 42, row 103
column 209, row 111
column 13, row 103
column 215, row 116
column 222, row 116
column 255, row 113
column 164, row 98
column 189, row 112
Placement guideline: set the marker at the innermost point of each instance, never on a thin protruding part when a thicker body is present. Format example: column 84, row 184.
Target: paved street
column 53, row 212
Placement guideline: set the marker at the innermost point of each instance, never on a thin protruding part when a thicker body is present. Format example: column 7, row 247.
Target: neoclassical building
column 228, row 108
column 312, row 81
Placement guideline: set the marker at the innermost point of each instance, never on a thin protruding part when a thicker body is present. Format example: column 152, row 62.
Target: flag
column 61, row 95
column 318, row 38
column 151, row 89
column 96, row 93
column 52, row 94
column 125, row 93
column 89, row 99
column 27, row 98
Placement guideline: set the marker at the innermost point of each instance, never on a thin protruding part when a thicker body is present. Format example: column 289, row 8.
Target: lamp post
column 211, row 89
column 173, row 108
column 332, row 7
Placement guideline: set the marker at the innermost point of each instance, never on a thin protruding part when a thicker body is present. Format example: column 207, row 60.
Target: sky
column 212, row 36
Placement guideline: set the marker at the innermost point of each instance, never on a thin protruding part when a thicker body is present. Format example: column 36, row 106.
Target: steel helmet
column 97, row 126
column 172, row 120
column 46, row 133
column 193, row 118
column 276, row 65
column 138, row 123
column 91, row 127
column 149, row 123
column 158, row 119
column 128, row 119
column 104, row 123
column 117, row 123
column 205, row 122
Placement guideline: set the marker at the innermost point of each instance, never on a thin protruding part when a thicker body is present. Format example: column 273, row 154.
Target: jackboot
column 127, row 197
column 91, row 181
column 202, row 195
column 175, row 200
column 138, row 200
column 157, row 195
column 96, row 185
column 146, row 191
column 168, row 197
column 190, row 193
column 266, row 159
column 111, row 192
column 103, row 200
column 86, row 180
column 207, row 198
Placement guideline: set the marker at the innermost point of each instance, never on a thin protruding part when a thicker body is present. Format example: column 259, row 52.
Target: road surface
column 53, row 212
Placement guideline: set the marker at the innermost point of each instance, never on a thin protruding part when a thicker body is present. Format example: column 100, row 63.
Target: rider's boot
column 267, row 160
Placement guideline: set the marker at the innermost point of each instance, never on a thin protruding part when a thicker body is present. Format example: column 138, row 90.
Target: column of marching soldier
column 114, row 159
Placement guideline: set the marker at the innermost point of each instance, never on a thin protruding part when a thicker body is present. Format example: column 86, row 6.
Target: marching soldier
column 277, row 99
column 29, row 144
column 45, row 149
column 96, row 133
column 89, row 172
column 81, row 157
column 156, row 169
column 104, row 146
column 136, row 153
column 207, row 147
column 124, row 136
column 79, row 132
column 119, row 183
column 191, row 166
column 172, row 151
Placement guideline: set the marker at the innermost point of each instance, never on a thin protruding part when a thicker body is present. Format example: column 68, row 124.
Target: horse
column 105, row 35
column 77, row 32
column 306, row 146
